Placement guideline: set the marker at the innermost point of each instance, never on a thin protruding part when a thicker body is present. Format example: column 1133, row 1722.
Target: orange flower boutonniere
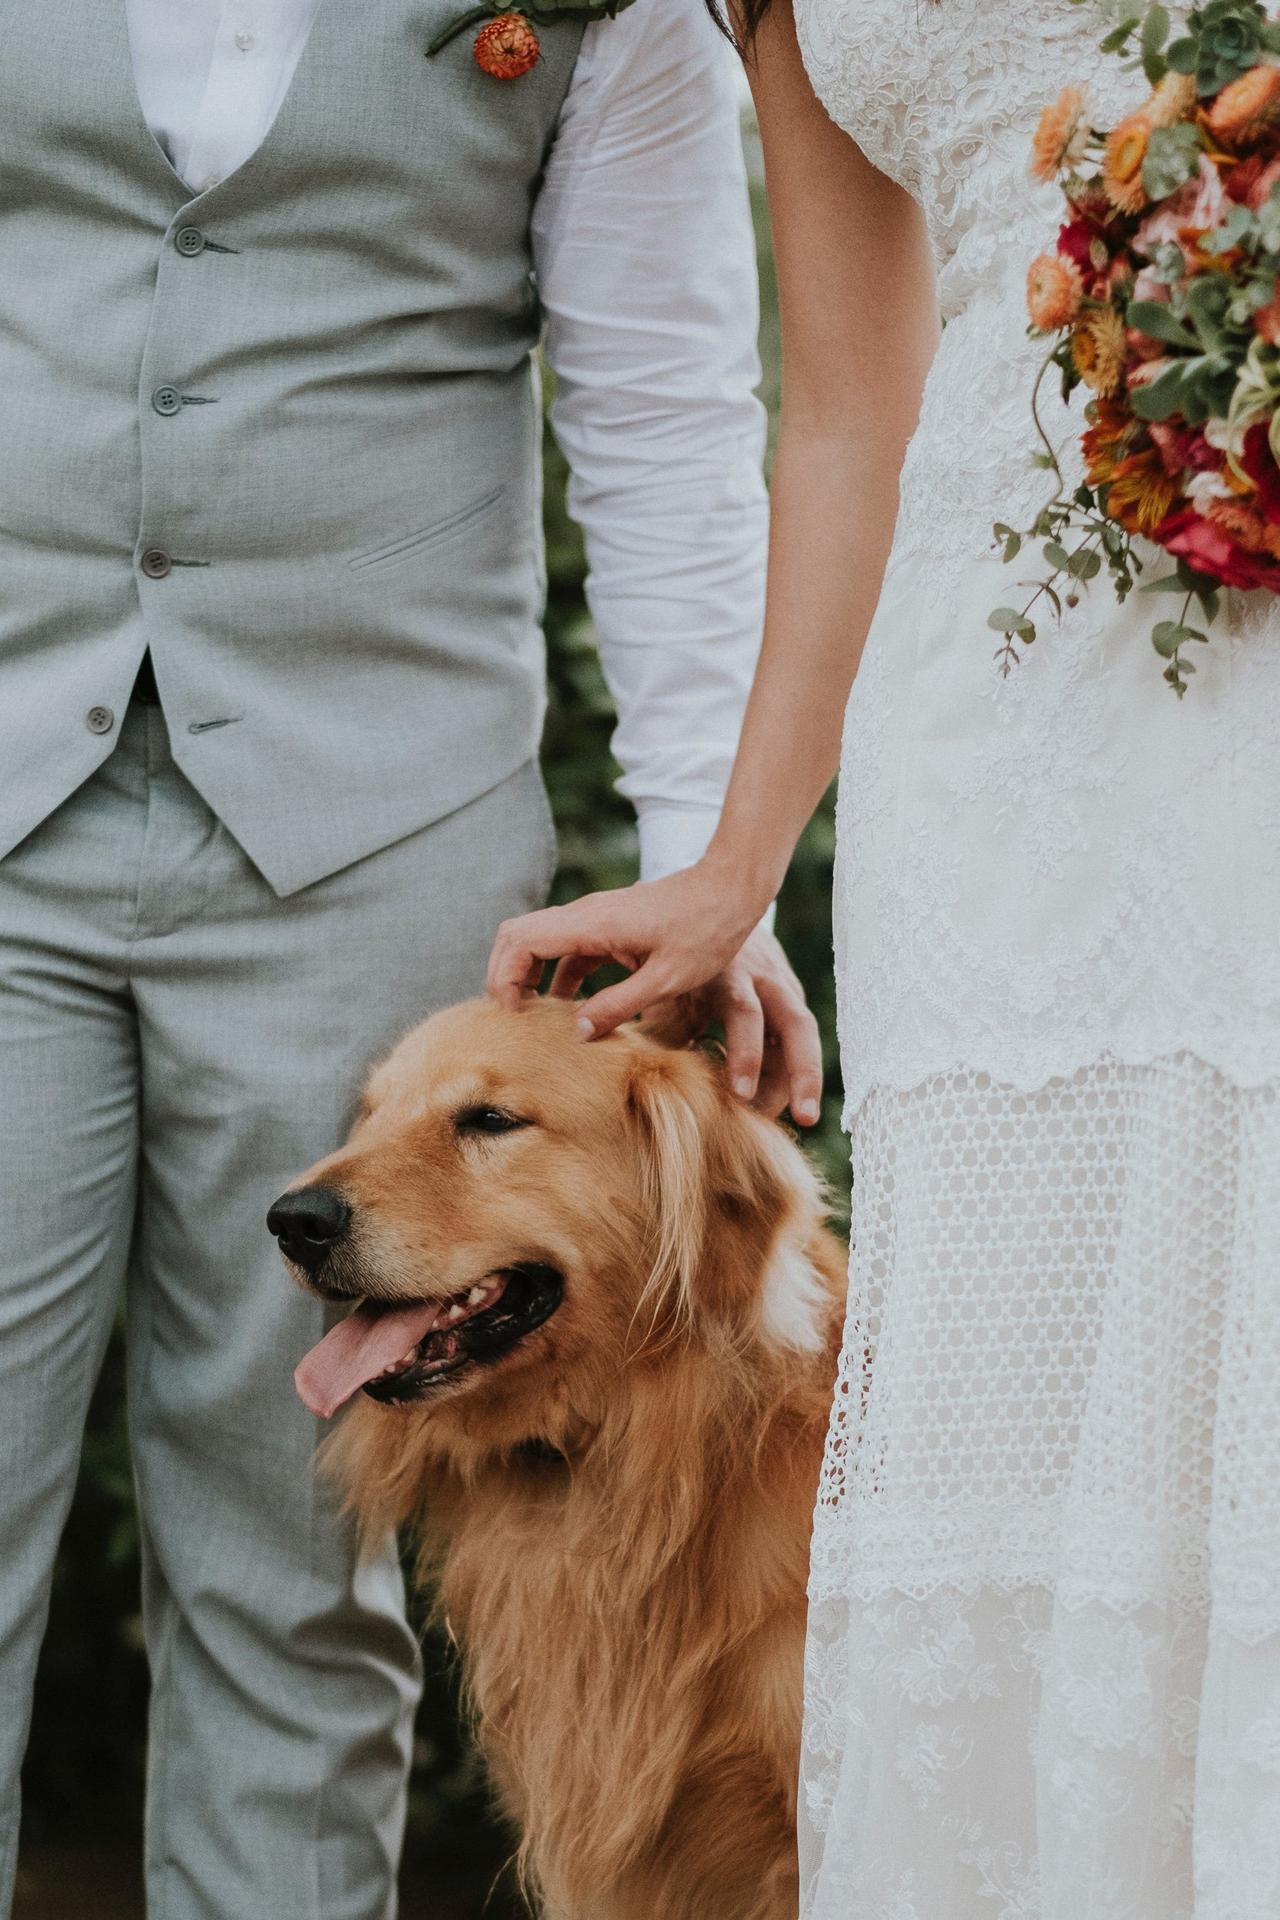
column 507, row 44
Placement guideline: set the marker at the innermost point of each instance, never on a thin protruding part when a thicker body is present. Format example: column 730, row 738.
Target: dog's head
column 519, row 1216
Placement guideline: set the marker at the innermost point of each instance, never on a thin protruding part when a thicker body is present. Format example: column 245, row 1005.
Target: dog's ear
column 673, row 1168
column 715, row 1191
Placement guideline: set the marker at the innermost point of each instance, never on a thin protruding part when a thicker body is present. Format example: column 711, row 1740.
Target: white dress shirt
column 645, row 263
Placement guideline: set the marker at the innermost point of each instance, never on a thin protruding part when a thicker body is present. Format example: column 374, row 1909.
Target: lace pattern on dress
column 1046, row 1574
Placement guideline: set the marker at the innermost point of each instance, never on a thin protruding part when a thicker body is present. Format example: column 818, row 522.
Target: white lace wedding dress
column 1044, row 1666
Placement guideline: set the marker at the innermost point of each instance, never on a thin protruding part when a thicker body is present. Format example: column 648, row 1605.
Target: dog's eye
column 489, row 1120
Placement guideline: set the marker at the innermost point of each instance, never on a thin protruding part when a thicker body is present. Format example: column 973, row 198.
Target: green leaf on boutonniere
column 545, row 13
column 548, row 12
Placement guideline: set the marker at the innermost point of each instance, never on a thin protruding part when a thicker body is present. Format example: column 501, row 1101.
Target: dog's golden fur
column 616, row 1516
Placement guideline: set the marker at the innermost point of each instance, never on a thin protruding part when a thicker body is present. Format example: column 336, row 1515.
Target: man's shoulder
column 646, row 44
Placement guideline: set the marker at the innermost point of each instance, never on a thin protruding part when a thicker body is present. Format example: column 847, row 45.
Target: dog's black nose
column 308, row 1224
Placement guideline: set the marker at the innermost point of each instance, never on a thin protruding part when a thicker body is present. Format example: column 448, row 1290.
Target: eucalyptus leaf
column 1163, row 396
column 1208, row 298
column 1155, row 29
column 1169, row 264
column 1173, row 154
column 1167, row 636
column 1159, row 322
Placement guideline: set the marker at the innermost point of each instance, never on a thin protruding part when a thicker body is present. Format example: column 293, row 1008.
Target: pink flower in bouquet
column 1210, row 206
column 1196, row 208
column 1149, row 286
column 1209, row 549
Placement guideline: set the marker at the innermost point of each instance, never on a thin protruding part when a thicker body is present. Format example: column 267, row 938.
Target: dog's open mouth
column 399, row 1353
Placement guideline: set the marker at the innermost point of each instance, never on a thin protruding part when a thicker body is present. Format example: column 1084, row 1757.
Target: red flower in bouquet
column 1210, row 550
column 1258, row 462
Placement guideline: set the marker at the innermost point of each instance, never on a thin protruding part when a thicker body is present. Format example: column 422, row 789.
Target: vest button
column 167, row 400
column 100, row 719
column 190, row 241
column 156, row 564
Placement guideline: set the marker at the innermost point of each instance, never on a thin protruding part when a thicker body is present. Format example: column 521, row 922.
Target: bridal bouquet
column 1162, row 298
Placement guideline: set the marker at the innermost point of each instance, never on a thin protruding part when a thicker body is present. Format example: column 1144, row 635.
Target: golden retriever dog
column 596, row 1322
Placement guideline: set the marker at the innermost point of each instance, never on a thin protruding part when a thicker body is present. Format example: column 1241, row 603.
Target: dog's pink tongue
column 357, row 1350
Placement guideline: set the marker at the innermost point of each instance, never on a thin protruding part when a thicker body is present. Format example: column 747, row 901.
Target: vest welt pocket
column 424, row 538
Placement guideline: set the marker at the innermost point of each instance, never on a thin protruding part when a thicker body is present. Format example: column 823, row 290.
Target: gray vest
column 284, row 434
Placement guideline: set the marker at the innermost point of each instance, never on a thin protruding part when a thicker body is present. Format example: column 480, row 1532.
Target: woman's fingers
column 570, row 974
column 742, row 1016
column 774, row 1090
column 614, row 1006
column 800, row 1042
column 523, row 947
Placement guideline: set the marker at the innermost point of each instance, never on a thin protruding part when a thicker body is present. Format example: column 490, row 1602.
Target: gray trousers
column 176, row 1044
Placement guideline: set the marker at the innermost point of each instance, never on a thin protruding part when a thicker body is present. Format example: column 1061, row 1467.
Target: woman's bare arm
column 859, row 330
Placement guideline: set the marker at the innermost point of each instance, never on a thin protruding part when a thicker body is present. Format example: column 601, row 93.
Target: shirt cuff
column 673, row 838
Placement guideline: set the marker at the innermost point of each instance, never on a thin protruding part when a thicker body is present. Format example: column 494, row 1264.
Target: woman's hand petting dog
column 688, row 938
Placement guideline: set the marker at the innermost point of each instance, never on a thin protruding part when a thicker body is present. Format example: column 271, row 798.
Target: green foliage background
column 83, row 1782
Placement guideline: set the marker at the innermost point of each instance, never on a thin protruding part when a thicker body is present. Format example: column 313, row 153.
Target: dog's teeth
column 404, row 1360
column 457, row 1310
column 475, row 1296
